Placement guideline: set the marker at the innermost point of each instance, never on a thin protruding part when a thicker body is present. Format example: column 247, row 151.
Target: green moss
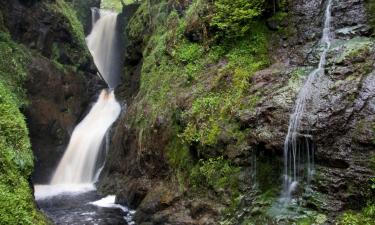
column 371, row 11
column 76, row 49
column 16, row 159
column 210, row 113
column 372, row 162
column 2, row 25
column 178, row 155
column 216, row 173
column 235, row 18
column 205, row 84
column 68, row 12
column 188, row 52
column 13, row 61
column 367, row 215
column 353, row 48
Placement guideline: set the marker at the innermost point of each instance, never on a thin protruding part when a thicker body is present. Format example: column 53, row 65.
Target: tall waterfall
column 78, row 165
column 103, row 43
column 298, row 149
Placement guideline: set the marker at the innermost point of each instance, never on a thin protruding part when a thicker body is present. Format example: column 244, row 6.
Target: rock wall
column 340, row 118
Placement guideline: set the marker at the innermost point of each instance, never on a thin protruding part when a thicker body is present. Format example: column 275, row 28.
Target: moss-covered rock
column 16, row 158
column 203, row 99
column 83, row 9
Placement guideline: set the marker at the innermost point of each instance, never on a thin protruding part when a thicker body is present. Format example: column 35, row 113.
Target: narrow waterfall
column 298, row 149
column 103, row 44
column 78, row 165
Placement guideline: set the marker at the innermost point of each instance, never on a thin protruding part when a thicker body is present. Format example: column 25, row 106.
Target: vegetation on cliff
column 197, row 78
column 211, row 93
column 16, row 158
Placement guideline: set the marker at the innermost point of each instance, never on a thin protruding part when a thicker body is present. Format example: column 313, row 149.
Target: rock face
column 83, row 8
column 339, row 117
column 61, row 77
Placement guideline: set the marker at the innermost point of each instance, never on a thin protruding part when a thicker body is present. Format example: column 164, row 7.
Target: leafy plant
column 217, row 173
column 235, row 18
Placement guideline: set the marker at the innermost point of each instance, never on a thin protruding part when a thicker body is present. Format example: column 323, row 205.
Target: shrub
column 235, row 18
column 216, row 173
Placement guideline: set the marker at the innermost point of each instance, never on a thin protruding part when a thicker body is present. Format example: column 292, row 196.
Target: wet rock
column 57, row 101
column 339, row 117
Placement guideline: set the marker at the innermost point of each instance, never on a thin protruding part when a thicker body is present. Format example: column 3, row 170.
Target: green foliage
column 76, row 50
column 205, row 84
column 13, row 61
column 366, row 217
column 188, row 52
column 216, row 173
column 82, row 8
column 178, row 156
column 16, row 158
column 2, row 26
column 211, row 111
column 372, row 180
column 203, row 128
column 115, row 5
column 68, row 12
column 235, row 18
column 371, row 11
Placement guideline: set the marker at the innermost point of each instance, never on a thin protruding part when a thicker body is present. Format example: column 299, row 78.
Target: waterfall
column 298, row 149
column 79, row 163
column 103, row 43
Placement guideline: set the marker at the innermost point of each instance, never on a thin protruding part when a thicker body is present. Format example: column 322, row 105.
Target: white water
column 78, row 169
column 78, row 163
column 109, row 202
column 298, row 151
column 103, row 45
column 47, row 191
column 66, row 198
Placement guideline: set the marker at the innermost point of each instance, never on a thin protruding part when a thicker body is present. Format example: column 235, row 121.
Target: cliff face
column 49, row 71
column 201, row 113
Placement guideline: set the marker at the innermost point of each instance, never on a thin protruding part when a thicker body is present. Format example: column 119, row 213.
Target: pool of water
column 79, row 208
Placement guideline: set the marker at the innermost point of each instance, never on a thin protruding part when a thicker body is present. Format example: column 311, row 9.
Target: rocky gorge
column 208, row 107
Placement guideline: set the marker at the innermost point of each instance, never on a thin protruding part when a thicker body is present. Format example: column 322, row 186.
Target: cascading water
column 66, row 200
column 103, row 44
column 298, row 150
column 78, row 164
column 79, row 161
